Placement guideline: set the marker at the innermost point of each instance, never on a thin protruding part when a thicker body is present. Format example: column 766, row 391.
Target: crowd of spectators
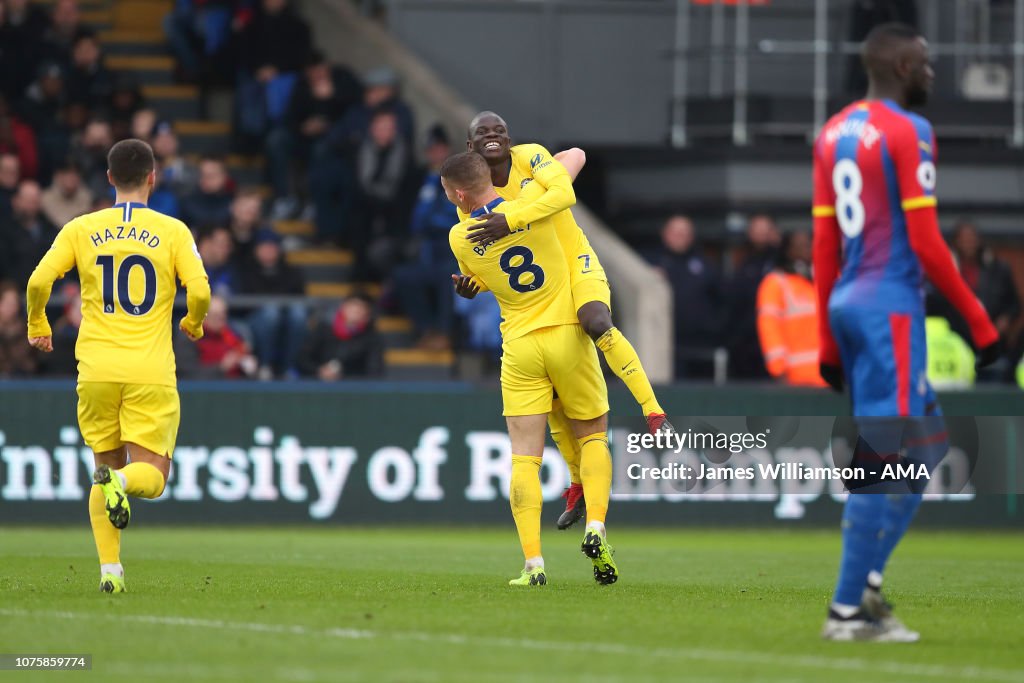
column 339, row 150
column 755, row 300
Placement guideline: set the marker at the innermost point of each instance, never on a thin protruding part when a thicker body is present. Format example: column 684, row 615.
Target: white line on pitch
column 723, row 656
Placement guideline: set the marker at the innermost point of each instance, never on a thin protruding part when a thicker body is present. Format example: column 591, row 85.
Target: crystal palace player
column 875, row 230
column 128, row 258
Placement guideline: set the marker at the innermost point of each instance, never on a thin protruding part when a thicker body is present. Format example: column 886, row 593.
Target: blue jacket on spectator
column 432, row 218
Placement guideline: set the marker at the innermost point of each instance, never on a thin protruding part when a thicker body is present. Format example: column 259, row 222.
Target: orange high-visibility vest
column 787, row 324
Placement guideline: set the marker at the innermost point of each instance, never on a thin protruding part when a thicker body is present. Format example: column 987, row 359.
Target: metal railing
column 821, row 48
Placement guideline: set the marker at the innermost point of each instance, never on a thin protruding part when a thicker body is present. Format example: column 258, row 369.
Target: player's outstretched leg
column 596, row 472
column 525, row 497
column 596, row 319
column 565, row 440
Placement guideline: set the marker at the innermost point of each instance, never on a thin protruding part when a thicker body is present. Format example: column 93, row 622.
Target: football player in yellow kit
column 543, row 185
column 128, row 258
column 543, row 348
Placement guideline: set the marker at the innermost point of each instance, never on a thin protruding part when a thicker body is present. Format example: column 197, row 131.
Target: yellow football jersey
column 544, row 189
column 526, row 271
column 127, row 257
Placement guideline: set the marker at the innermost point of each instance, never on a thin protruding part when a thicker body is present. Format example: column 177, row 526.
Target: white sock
column 598, row 527
column 535, row 563
column 845, row 611
column 115, row 569
column 120, row 475
column 875, row 579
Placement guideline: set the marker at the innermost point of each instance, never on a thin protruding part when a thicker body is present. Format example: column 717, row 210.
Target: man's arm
column 57, row 261
column 466, row 284
column 550, row 192
column 915, row 170
column 826, row 254
column 189, row 267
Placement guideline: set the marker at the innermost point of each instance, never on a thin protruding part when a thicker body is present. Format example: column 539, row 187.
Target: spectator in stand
column 383, row 172
column 45, row 110
column 66, row 198
column 277, row 328
column 380, row 93
column 59, row 37
column 787, row 315
column 321, row 98
column 210, row 204
column 178, row 174
column 21, row 25
column 10, row 176
column 987, row 276
column 89, row 152
column 246, row 222
column 162, row 198
column 272, row 51
column 346, row 346
column 199, row 34
column 697, row 296
column 126, row 100
column 61, row 362
column 481, row 324
column 17, row 138
column 331, row 174
column 17, row 358
column 992, row 281
column 222, row 352
column 424, row 285
column 144, row 122
column 763, row 237
column 215, row 250
column 28, row 231
column 88, row 80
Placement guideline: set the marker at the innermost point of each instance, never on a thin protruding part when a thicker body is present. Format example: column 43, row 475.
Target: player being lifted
column 529, row 173
column 128, row 411
column 544, row 348
column 875, row 229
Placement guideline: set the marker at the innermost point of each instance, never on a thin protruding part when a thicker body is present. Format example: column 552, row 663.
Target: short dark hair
column 880, row 41
column 466, row 171
column 130, row 163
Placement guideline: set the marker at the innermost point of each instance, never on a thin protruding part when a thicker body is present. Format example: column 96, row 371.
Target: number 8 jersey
column 873, row 161
column 128, row 258
column 526, row 271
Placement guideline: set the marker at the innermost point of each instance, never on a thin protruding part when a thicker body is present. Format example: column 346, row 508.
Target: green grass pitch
column 409, row 605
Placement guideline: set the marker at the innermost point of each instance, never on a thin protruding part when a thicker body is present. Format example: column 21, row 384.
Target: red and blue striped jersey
column 873, row 161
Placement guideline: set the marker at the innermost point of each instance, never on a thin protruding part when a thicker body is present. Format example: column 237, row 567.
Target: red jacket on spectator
column 17, row 138
column 215, row 345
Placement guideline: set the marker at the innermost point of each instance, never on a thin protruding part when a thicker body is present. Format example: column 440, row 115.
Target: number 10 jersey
column 128, row 258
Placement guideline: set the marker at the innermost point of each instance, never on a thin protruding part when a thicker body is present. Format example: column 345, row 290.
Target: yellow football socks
column 596, row 472
column 142, row 480
column 624, row 362
column 565, row 440
column 108, row 537
column 526, row 498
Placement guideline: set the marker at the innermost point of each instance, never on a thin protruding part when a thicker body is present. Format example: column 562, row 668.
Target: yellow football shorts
column 587, row 278
column 111, row 414
column 560, row 358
